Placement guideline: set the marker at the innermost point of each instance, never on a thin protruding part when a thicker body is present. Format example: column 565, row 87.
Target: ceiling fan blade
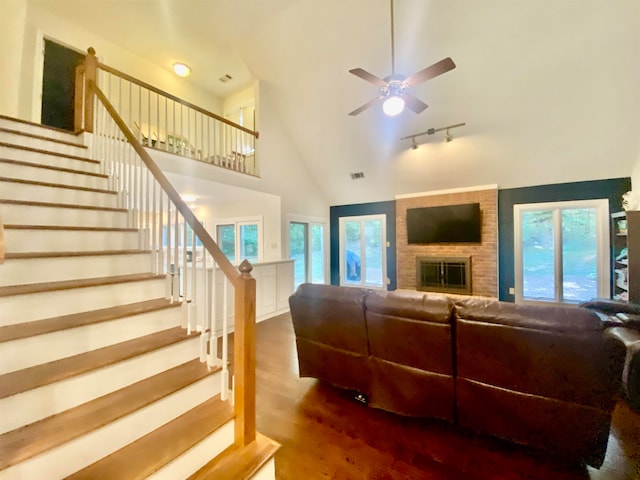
column 370, row 103
column 438, row 68
column 369, row 77
column 413, row 103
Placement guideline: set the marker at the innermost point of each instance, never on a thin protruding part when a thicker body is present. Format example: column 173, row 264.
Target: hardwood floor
column 325, row 434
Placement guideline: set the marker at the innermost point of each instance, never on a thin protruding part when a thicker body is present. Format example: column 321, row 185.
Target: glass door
column 306, row 248
column 363, row 256
column 562, row 251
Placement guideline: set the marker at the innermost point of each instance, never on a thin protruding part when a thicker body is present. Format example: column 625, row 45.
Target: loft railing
column 165, row 122
column 181, row 248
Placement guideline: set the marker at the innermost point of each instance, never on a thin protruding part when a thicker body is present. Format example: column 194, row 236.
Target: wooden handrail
column 243, row 282
column 134, row 80
column 212, row 247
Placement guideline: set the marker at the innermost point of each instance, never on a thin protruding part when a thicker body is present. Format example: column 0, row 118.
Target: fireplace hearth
column 444, row 274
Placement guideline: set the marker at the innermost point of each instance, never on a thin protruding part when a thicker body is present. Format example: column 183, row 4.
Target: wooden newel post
column 245, row 356
column 90, row 75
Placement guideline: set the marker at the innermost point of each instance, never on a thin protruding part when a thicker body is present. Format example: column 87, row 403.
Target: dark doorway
column 58, row 85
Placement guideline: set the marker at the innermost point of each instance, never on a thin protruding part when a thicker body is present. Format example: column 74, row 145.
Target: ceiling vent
column 357, row 175
column 225, row 78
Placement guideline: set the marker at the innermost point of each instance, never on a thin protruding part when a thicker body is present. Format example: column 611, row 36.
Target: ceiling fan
column 394, row 88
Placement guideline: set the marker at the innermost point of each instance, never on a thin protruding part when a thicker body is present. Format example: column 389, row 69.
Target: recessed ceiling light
column 181, row 69
column 188, row 198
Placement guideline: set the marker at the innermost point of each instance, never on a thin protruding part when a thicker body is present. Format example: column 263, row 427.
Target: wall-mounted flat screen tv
column 445, row 224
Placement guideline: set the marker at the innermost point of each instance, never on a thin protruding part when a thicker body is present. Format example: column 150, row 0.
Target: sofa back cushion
column 411, row 328
column 330, row 315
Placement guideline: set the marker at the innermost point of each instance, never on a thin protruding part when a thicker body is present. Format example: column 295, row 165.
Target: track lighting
column 448, row 137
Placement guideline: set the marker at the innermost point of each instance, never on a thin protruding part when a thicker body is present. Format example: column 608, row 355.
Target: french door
column 363, row 253
column 306, row 249
column 561, row 251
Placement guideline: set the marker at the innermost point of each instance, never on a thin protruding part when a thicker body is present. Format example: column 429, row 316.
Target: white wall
column 41, row 24
column 11, row 35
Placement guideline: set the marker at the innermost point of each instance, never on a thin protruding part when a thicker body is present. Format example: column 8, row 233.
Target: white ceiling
column 548, row 88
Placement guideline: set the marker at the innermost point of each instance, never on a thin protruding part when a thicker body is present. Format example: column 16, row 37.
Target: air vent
column 357, row 175
column 225, row 78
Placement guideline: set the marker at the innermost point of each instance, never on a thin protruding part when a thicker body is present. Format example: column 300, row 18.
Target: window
column 306, row 248
column 240, row 239
column 363, row 256
column 561, row 251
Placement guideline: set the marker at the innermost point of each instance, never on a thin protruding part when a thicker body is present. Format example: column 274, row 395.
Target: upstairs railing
column 165, row 122
column 180, row 247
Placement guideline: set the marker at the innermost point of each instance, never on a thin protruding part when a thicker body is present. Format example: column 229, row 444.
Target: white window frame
column 239, row 222
column 363, row 218
column 601, row 207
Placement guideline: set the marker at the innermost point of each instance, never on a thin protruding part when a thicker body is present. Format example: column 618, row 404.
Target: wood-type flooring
column 326, row 434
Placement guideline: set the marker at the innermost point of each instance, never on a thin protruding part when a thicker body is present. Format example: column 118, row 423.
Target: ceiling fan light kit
column 394, row 89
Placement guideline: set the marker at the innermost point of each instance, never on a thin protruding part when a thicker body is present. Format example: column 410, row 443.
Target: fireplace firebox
column 444, row 274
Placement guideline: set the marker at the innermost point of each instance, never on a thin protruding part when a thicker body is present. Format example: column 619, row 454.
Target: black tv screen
column 446, row 224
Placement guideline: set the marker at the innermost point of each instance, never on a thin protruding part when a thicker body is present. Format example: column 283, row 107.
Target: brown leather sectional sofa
column 542, row 376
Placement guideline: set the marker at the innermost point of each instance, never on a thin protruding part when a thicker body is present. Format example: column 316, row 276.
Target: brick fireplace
column 483, row 256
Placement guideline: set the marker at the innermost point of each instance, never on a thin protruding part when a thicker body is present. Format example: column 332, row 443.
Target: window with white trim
column 561, row 251
column 240, row 239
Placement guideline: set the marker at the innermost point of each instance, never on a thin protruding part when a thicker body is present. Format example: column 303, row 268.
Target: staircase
column 99, row 379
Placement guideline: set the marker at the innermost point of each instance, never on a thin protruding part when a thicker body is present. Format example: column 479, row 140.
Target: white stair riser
column 26, row 240
column 87, row 449
column 25, row 192
column 36, row 174
column 28, row 352
column 42, row 144
column 199, row 455
column 267, row 472
column 75, row 300
column 56, row 269
column 33, row 405
column 73, row 217
column 11, row 153
column 40, row 130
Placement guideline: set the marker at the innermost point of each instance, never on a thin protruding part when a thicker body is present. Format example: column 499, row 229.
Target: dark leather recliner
column 542, row 376
column 536, row 375
column 410, row 353
column 331, row 335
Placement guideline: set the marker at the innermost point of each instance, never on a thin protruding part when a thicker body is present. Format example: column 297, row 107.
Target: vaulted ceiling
column 548, row 89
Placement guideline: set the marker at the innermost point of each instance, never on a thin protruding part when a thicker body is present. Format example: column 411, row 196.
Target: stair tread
column 80, row 283
column 64, row 322
column 239, row 463
column 57, row 185
column 52, row 167
column 146, row 455
column 41, row 126
column 42, row 137
column 29, row 378
column 93, row 253
column 28, row 441
column 69, row 228
column 30, row 203
column 49, row 152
